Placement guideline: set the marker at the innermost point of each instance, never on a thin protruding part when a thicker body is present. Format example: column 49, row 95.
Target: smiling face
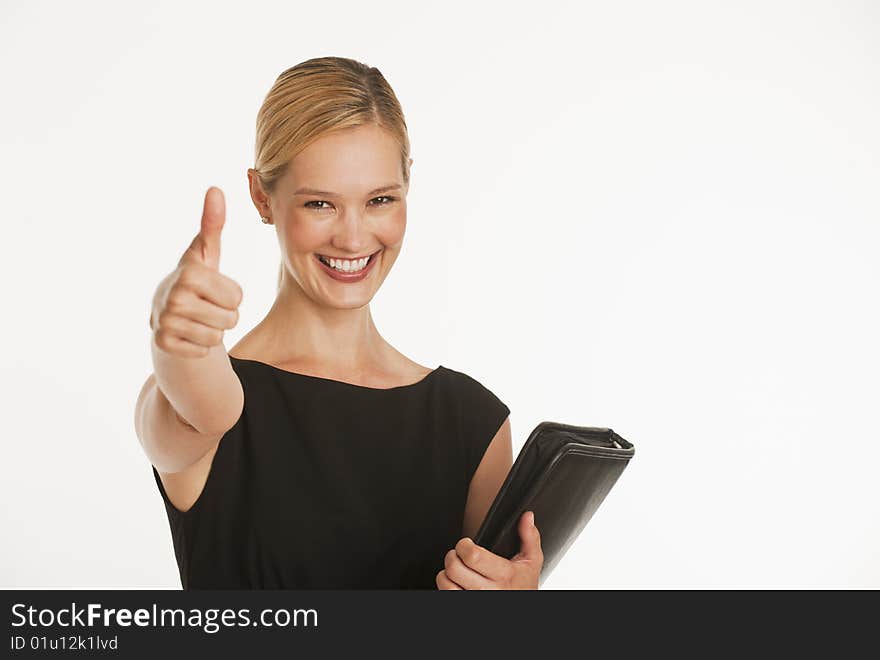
column 340, row 214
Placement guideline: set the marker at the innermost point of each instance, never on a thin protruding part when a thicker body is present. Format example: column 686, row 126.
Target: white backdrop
column 658, row 217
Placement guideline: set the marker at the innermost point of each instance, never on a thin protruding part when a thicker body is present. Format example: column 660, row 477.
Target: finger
column 466, row 577
column 213, row 286
column 443, row 582
column 205, row 247
column 482, row 560
column 213, row 219
column 192, row 331
column 530, row 538
column 190, row 305
column 178, row 346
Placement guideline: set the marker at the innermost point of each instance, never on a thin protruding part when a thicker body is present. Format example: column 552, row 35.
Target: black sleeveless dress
column 323, row 484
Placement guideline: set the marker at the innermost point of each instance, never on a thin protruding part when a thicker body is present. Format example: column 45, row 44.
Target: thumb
column 205, row 247
column 530, row 538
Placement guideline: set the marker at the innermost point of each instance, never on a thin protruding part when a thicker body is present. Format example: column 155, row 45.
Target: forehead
column 349, row 160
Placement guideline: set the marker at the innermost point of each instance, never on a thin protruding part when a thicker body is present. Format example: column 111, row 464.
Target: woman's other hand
column 471, row 566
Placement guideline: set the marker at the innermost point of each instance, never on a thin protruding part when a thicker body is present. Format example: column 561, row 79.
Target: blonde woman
column 313, row 454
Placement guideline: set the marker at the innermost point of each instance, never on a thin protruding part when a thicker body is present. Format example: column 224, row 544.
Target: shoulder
column 461, row 379
column 468, row 382
column 481, row 417
column 476, row 394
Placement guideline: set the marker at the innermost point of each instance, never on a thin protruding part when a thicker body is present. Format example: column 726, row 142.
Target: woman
column 314, row 454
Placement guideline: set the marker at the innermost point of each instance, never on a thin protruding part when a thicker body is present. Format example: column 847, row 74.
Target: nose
column 351, row 233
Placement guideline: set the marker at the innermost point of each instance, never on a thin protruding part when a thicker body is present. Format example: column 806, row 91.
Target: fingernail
column 532, row 518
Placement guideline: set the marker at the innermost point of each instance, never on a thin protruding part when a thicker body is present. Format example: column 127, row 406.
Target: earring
column 265, row 219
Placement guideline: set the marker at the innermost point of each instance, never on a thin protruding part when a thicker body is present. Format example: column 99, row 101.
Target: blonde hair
column 315, row 97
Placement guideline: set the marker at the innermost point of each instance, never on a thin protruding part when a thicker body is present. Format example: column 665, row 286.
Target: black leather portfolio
column 562, row 473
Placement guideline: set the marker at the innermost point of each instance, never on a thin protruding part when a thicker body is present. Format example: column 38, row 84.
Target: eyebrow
column 312, row 191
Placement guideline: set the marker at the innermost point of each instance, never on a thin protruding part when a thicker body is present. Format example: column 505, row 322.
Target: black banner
column 129, row 623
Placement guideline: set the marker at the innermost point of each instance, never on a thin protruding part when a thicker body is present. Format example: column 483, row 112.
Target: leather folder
column 562, row 473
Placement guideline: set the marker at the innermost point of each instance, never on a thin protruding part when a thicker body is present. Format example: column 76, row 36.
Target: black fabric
column 323, row 484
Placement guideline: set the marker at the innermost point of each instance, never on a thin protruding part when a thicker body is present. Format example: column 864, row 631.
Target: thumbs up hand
column 470, row 566
column 195, row 303
column 205, row 247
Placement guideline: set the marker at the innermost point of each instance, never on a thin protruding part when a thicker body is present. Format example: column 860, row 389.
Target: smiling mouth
column 347, row 265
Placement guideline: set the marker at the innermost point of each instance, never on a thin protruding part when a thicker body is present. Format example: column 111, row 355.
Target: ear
column 258, row 196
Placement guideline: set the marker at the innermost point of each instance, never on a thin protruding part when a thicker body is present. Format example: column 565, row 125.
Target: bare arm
column 179, row 422
column 487, row 479
column 193, row 396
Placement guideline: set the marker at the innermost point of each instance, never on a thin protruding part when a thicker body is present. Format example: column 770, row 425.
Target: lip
column 340, row 276
column 330, row 256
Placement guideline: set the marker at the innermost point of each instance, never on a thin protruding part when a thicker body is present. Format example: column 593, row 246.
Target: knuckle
column 469, row 553
column 216, row 336
column 161, row 339
column 185, row 277
column 176, row 300
column 162, row 319
column 190, row 270
column 190, row 278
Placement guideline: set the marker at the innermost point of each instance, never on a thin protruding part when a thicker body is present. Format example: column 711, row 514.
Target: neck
column 297, row 329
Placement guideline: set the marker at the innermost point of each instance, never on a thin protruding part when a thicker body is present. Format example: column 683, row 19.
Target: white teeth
column 346, row 265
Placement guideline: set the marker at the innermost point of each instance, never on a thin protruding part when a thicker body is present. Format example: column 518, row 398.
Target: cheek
column 390, row 229
column 303, row 236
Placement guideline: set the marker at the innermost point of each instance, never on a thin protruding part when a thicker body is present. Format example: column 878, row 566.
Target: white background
column 658, row 217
